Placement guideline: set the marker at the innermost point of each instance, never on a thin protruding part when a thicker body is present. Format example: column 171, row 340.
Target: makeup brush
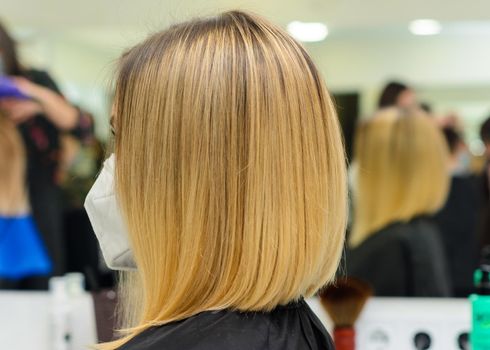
column 344, row 302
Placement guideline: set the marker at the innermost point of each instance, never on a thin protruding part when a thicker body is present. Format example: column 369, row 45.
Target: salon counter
column 385, row 323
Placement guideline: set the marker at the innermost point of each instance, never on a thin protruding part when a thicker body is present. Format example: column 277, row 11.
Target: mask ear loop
column 129, row 261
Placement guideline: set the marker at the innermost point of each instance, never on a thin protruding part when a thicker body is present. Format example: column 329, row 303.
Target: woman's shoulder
column 418, row 228
column 389, row 242
column 421, row 229
column 289, row 327
column 391, row 235
column 211, row 330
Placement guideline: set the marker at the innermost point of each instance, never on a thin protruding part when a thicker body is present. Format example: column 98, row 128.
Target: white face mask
column 106, row 219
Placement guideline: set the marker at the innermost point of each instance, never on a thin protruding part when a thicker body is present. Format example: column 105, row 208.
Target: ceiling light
column 308, row 31
column 425, row 27
column 477, row 148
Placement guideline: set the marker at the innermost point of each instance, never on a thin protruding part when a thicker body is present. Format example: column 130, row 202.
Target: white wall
column 83, row 64
column 366, row 63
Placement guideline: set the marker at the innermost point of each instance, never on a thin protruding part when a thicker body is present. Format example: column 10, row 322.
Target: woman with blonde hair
column 230, row 178
column 402, row 179
column 22, row 253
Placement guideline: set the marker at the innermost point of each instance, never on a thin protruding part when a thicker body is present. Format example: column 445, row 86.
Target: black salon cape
column 290, row 327
column 402, row 260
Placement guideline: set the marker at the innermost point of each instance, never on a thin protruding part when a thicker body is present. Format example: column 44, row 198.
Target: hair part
column 230, row 169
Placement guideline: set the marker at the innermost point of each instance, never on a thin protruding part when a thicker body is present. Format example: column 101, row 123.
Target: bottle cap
column 57, row 287
column 75, row 283
column 481, row 277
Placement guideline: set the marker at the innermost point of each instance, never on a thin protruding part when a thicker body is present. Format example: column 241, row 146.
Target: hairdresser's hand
column 53, row 105
column 28, row 87
column 20, row 111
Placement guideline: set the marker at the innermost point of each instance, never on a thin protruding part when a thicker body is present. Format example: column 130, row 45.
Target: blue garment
column 22, row 253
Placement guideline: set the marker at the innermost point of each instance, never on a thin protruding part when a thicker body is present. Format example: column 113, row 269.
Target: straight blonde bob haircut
column 403, row 170
column 13, row 196
column 230, row 169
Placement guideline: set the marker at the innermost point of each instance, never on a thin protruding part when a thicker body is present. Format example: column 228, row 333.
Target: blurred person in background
column 452, row 120
column 397, row 94
column 22, row 254
column 458, row 219
column 401, row 180
column 41, row 120
column 79, row 166
column 485, row 187
column 460, row 156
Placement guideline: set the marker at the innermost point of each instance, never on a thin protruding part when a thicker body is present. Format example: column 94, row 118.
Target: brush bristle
column 345, row 300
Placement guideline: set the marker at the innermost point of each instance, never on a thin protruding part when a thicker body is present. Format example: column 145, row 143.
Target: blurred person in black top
column 41, row 121
column 484, row 224
column 457, row 220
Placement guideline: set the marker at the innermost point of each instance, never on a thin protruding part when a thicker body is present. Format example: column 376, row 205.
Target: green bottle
column 480, row 302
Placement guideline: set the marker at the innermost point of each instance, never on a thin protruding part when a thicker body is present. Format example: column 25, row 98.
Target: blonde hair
column 13, row 197
column 230, row 169
column 402, row 173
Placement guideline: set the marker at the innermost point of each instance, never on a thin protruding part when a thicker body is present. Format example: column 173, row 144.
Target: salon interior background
column 368, row 42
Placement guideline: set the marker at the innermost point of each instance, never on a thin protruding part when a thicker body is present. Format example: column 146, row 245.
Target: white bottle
column 60, row 315
column 82, row 313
